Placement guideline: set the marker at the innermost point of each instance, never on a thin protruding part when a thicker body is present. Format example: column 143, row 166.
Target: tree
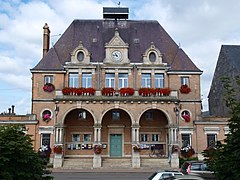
column 17, row 157
column 224, row 159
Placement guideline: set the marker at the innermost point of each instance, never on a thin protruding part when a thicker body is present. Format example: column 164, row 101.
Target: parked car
column 164, row 174
column 185, row 177
column 197, row 168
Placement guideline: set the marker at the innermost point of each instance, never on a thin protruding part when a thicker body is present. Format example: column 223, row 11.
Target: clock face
column 116, row 55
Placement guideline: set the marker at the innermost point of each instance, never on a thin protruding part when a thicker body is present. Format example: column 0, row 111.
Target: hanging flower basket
column 187, row 151
column 186, row 117
column 175, row 149
column 136, row 148
column 185, row 89
column 48, row 87
column 97, row 149
column 46, row 117
column 57, row 149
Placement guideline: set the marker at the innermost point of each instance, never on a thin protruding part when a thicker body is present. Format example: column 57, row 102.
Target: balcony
column 112, row 95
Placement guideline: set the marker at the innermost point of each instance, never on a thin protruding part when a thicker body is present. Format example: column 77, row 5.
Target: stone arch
column 77, row 107
column 160, row 109
column 113, row 107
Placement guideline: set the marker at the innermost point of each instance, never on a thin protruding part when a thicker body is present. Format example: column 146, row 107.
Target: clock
column 116, row 55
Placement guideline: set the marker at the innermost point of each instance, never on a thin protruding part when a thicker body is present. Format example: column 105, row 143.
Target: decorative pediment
column 116, row 50
column 116, row 41
column 80, row 55
column 152, row 55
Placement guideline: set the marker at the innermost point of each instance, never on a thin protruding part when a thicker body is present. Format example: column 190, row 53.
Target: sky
column 200, row 27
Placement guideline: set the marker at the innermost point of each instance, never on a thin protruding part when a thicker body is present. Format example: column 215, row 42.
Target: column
column 135, row 155
column 97, row 159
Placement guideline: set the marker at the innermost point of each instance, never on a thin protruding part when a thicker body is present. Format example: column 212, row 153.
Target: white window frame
column 73, row 80
column 144, row 137
column 146, row 80
column 215, row 138
column 73, row 138
column 42, row 138
column 122, row 80
column 185, row 80
column 190, row 138
column 155, row 138
column 48, row 79
column 86, row 80
column 110, row 80
column 159, row 80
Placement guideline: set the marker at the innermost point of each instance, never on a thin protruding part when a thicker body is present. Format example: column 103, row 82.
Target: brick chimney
column 46, row 39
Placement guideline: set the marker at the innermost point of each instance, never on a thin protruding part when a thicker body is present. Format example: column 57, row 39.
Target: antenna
column 55, row 35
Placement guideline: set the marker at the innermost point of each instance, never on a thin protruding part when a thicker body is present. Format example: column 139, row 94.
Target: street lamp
column 56, row 110
column 176, row 110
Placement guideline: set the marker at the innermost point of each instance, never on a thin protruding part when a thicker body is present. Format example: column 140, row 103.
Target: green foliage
column 17, row 157
column 224, row 158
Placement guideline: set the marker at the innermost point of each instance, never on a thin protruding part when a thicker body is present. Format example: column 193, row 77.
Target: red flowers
column 154, row 91
column 126, row 91
column 57, row 149
column 186, row 117
column 48, row 87
column 108, row 91
column 97, row 148
column 185, row 89
column 78, row 91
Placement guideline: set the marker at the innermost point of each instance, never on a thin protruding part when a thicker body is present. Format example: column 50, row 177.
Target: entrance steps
column 116, row 162
column 161, row 163
column 78, row 163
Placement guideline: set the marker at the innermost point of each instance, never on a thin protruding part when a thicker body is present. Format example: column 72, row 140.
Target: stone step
column 117, row 162
column 152, row 162
column 77, row 163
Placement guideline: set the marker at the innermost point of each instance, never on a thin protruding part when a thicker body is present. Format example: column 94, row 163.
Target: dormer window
column 80, row 56
column 152, row 57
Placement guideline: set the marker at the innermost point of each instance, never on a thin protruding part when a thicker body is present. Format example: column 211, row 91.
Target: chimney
column 9, row 110
column 46, row 39
column 13, row 109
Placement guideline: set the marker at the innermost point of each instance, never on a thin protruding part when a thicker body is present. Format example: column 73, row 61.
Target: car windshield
column 152, row 176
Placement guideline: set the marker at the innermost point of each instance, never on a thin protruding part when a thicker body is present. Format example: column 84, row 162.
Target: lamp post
column 177, row 124
column 56, row 110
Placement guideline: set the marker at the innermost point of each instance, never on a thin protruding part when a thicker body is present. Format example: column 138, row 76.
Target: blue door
column 116, row 145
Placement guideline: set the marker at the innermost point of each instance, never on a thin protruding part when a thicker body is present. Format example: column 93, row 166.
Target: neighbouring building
column 227, row 66
column 117, row 92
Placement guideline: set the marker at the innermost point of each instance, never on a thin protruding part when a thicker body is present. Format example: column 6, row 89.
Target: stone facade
column 142, row 125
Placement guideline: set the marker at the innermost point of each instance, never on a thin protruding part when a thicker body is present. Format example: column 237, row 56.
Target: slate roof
column 103, row 31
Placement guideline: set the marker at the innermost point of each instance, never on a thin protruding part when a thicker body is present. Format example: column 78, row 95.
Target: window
column 159, row 81
column 211, row 139
column 185, row 80
column 86, row 80
column 48, row 79
column 122, row 80
column 82, row 115
column 146, row 80
column 80, row 56
column 87, row 137
column 75, row 137
column 186, row 140
column 144, row 137
column 110, row 80
column 73, row 80
column 115, row 115
column 149, row 115
column 45, row 139
column 152, row 57
column 155, row 137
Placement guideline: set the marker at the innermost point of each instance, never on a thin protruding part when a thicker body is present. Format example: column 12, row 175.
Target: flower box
column 126, row 91
column 48, row 87
column 185, row 89
column 78, row 91
column 108, row 91
column 155, row 92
